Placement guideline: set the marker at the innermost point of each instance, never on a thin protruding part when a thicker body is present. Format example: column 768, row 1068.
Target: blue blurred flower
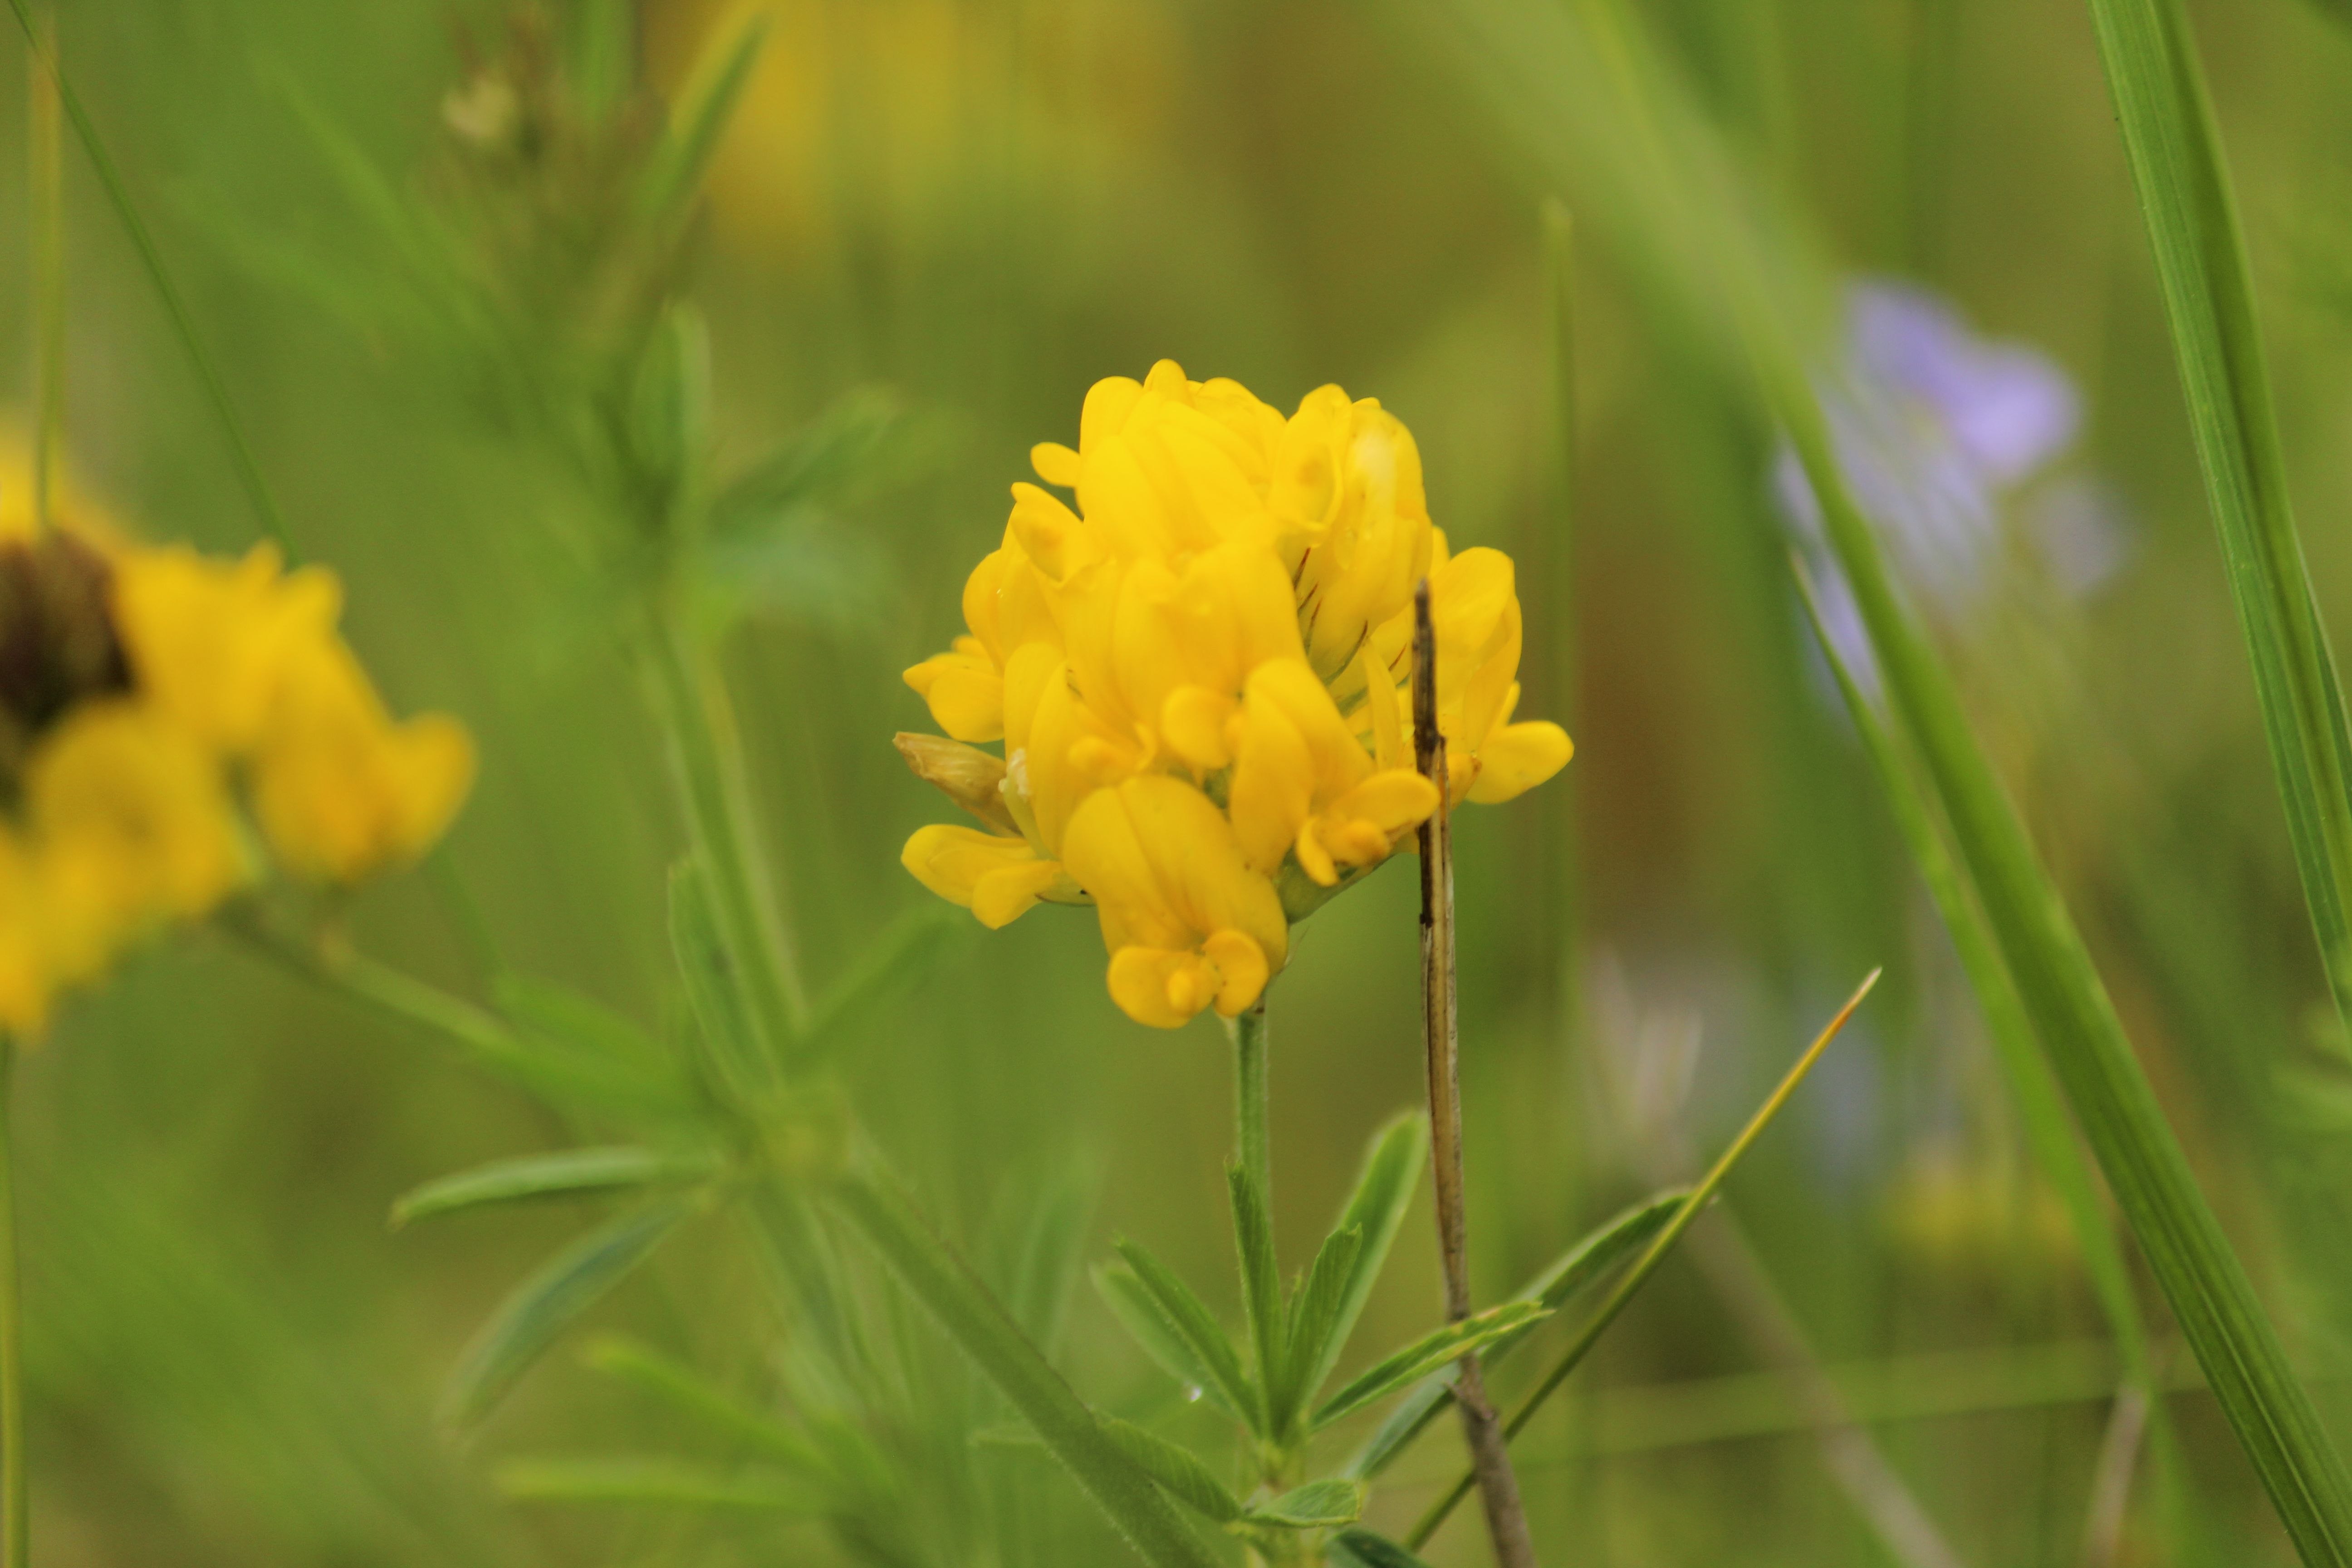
column 1935, row 430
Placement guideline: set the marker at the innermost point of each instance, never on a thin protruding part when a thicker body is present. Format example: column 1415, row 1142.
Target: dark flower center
column 58, row 642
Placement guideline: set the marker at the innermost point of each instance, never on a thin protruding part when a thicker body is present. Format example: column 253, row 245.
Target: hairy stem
column 1253, row 1098
column 1498, row 1486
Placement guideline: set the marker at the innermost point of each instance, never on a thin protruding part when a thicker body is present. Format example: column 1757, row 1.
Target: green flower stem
column 872, row 1201
column 1253, row 1098
column 706, row 760
column 16, row 1522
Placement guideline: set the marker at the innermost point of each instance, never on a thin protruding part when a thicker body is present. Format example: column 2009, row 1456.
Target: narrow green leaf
column 1139, row 1313
column 1190, row 1319
column 550, row 1301
column 566, row 1080
column 572, row 1172
column 1362, row 1548
column 658, row 1482
column 1589, row 1261
column 871, row 1201
column 556, row 1012
column 901, row 958
column 1318, row 1505
column 2177, row 163
column 1383, row 1191
column 691, row 1395
column 832, row 457
column 1425, row 1355
column 700, row 119
column 1177, row 1468
column 669, row 406
column 1314, row 1312
column 1260, row 1290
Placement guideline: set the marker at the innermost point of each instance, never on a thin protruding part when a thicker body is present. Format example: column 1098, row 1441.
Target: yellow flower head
column 139, row 688
column 1195, row 672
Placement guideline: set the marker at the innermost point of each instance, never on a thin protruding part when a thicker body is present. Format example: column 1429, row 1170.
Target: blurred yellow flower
column 139, row 687
column 1197, row 674
column 340, row 789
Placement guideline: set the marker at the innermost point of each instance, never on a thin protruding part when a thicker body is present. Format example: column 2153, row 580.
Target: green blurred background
column 985, row 207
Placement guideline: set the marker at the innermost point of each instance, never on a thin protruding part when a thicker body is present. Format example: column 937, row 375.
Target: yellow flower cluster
column 1199, row 676
column 144, row 694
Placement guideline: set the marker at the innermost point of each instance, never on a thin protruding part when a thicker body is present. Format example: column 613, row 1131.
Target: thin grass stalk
column 184, row 324
column 1654, row 1254
column 2174, row 148
column 2049, row 1136
column 1498, row 1486
column 45, row 189
column 15, row 1511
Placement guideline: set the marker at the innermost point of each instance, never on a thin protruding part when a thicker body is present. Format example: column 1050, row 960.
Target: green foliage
column 1401, row 1368
column 567, row 1173
column 2185, row 191
column 543, row 1306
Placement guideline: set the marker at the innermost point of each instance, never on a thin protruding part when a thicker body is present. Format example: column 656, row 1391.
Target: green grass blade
column 1583, row 1265
column 550, row 1301
column 654, row 1481
column 570, row 1172
column 871, row 1201
column 1424, row 1355
column 1177, row 1468
column 2177, row 163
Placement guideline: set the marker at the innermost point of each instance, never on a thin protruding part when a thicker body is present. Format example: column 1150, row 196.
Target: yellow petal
column 1392, row 801
column 1193, row 722
column 1518, row 757
column 132, row 824
column 964, row 691
column 1242, row 970
column 1055, row 464
column 1050, row 533
column 996, row 878
column 1160, row 987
